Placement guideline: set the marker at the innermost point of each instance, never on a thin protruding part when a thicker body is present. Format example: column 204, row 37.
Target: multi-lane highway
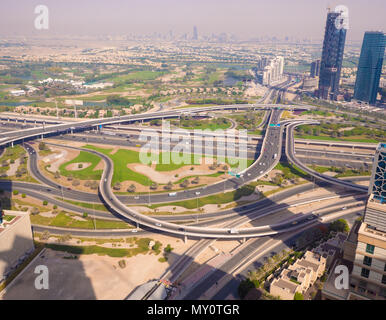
column 293, row 159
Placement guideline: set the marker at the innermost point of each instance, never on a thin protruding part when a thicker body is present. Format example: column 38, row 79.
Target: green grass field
column 84, row 174
column 351, row 139
column 121, row 159
column 67, row 221
column 142, row 247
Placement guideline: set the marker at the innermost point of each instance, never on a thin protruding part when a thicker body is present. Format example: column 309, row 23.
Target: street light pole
column 148, row 181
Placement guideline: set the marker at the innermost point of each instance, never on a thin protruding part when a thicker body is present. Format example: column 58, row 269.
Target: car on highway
column 198, row 193
column 134, row 231
column 158, row 224
column 344, row 208
column 172, row 194
column 233, row 231
column 294, row 222
column 136, row 197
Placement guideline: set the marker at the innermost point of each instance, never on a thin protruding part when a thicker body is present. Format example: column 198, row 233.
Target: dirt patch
column 164, row 177
column 13, row 168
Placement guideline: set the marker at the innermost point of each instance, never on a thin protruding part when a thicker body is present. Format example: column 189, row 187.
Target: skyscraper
column 368, row 277
column 370, row 67
column 365, row 247
column 332, row 56
column 195, row 33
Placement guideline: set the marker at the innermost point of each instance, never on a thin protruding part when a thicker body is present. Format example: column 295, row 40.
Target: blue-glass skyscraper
column 370, row 67
column 375, row 214
column 332, row 57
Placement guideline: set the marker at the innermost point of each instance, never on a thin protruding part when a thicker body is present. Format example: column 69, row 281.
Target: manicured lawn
column 121, row 159
column 141, row 247
column 84, row 174
column 358, row 139
column 67, row 221
column 8, row 218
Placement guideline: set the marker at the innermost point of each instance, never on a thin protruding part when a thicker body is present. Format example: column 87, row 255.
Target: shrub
column 80, row 166
column 117, row 186
column 45, row 202
column 339, row 225
column 169, row 185
column 185, row 183
column 94, row 185
column 15, row 192
column 298, row 296
column 85, row 214
column 131, row 188
column 55, row 207
column 122, row 263
column 76, row 183
column 168, row 249
column 42, row 146
column 23, row 195
column 154, row 186
column 35, row 211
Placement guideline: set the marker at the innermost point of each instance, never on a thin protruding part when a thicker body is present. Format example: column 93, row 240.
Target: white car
column 158, row 225
column 136, row 198
column 198, row 193
column 134, row 231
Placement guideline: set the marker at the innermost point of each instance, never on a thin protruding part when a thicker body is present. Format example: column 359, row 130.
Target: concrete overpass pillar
column 35, row 124
column 12, row 144
column 41, row 137
column 243, row 240
column 8, row 119
column 185, row 239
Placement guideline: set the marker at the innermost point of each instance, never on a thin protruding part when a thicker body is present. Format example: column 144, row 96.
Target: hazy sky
column 245, row 18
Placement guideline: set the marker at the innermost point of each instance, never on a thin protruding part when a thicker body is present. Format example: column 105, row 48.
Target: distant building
column 370, row 67
column 18, row 93
column 269, row 71
column 315, row 69
column 195, row 33
column 332, row 57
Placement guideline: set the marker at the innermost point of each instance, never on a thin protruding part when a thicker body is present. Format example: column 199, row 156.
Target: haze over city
column 243, row 18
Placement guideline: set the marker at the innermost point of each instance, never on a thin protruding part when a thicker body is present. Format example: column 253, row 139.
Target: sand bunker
column 166, row 176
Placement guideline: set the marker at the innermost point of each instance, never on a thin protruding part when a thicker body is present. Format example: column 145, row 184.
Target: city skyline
column 299, row 18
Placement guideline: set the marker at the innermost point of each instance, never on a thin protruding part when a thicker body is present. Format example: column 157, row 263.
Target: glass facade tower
column 332, row 57
column 370, row 67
